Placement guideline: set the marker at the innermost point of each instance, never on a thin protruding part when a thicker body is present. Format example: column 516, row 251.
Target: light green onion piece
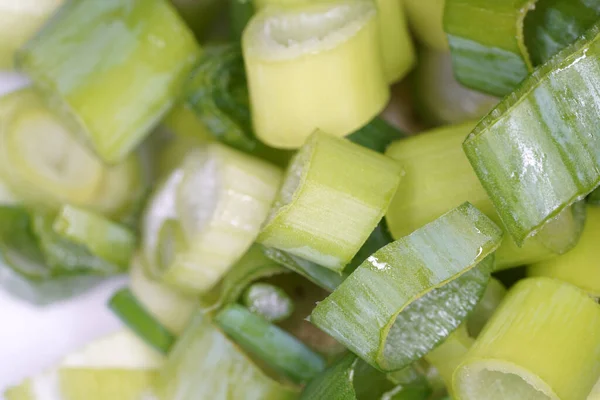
column 206, row 215
column 495, row 60
column 439, row 177
column 277, row 348
column 512, row 353
column 104, row 238
column 350, row 378
column 134, row 315
column 254, row 265
column 269, row 301
column 170, row 308
column 293, row 91
column 532, row 158
column 130, row 60
column 19, row 20
column 205, row 364
column 387, row 311
column 334, row 194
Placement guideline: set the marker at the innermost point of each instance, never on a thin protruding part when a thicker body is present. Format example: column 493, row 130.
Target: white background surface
column 33, row 338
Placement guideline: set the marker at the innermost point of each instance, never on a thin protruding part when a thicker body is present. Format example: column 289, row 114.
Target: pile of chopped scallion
column 313, row 199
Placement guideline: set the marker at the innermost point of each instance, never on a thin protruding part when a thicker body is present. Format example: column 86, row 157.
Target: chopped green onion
column 439, row 98
column 269, row 301
column 205, row 364
column 494, row 293
column 254, row 265
column 240, row 12
column 350, row 378
column 270, row 344
column 579, row 266
column 543, row 331
column 192, row 238
column 334, row 194
column 19, row 20
column 134, row 315
column 439, row 177
column 376, row 135
column 494, row 62
column 532, row 158
column 335, row 84
column 131, row 60
column 104, row 238
column 425, row 19
column 171, row 309
column 319, row 275
column 387, row 310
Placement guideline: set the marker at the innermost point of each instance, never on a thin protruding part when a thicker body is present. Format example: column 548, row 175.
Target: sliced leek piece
column 315, row 66
column 511, row 359
column 112, row 68
column 19, row 20
column 334, row 194
column 205, row 364
column 387, row 310
column 206, row 216
column 118, row 366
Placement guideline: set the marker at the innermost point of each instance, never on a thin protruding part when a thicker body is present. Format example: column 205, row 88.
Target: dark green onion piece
column 240, row 12
column 376, row 135
column 278, row 349
column 321, row 276
column 350, row 378
column 594, row 198
column 136, row 317
column 268, row 301
column 254, row 265
column 537, row 152
column 387, row 311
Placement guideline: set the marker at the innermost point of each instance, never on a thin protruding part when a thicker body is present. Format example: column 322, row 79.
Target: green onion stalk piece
column 170, row 308
column 44, row 262
column 579, row 266
column 319, row 275
column 511, row 357
column 336, row 83
column 254, row 265
column 269, row 301
column 334, row 194
column 139, row 320
column 493, row 61
column 206, row 215
column 205, row 364
column 19, row 20
column 387, row 311
column 350, row 378
column 217, row 96
column 533, row 159
column 425, row 18
column 118, row 366
column 269, row 343
column 439, row 98
column 130, row 59
column 438, row 177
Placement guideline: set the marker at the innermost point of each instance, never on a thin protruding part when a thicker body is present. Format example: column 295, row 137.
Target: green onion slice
column 112, row 68
column 376, row 135
column 191, row 237
column 512, row 353
column 254, row 265
column 290, row 74
column 269, row 301
column 532, row 158
column 205, row 364
column 334, row 194
column 387, row 311
column 494, row 62
column 350, row 378
column 134, row 315
column 281, row 351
